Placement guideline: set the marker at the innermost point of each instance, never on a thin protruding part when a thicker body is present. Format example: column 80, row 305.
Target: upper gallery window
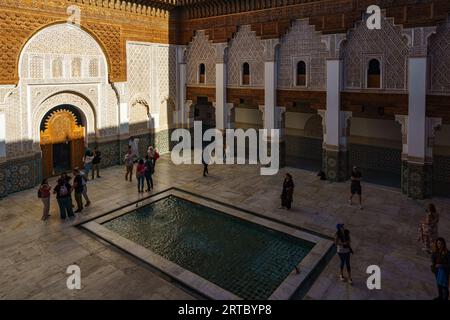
column 374, row 74
column 201, row 73
column 301, row 74
column 36, row 68
column 76, row 67
column 93, row 68
column 57, row 68
column 245, row 74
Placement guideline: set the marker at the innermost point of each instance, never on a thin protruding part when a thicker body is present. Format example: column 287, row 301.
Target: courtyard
column 35, row 254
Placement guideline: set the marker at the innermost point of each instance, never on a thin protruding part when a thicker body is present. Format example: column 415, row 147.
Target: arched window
column 245, row 74
column 374, row 74
column 301, row 74
column 36, row 68
column 76, row 67
column 93, row 68
column 57, row 68
column 201, row 73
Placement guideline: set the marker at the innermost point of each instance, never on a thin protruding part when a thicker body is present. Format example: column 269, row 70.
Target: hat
column 339, row 226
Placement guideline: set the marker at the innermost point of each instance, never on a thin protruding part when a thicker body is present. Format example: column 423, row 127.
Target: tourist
column 148, row 173
column 440, row 267
column 68, row 179
column 205, row 162
column 78, row 188
column 44, row 194
column 96, row 163
column 87, row 161
column 129, row 164
column 428, row 229
column 155, row 158
column 63, row 191
column 343, row 244
column 85, row 194
column 140, row 175
column 134, row 145
column 355, row 187
column 322, row 175
column 150, row 153
column 287, row 192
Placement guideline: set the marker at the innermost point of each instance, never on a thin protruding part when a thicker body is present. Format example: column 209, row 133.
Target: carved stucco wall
column 388, row 45
column 38, row 86
column 302, row 43
column 439, row 57
column 246, row 47
column 151, row 80
column 200, row 50
column 110, row 22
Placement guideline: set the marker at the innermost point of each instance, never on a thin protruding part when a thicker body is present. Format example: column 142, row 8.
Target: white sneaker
column 342, row 277
column 350, row 281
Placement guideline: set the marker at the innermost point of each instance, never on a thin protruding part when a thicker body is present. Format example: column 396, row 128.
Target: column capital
column 333, row 44
column 221, row 52
column 270, row 47
column 418, row 40
column 181, row 53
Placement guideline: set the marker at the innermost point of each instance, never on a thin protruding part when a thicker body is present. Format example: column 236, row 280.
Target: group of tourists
column 65, row 187
column 428, row 235
column 145, row 166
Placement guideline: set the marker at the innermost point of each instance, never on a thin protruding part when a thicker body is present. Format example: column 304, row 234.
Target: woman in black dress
column 288, row 191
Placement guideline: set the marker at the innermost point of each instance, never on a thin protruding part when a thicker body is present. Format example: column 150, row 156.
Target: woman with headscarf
column 287, row 193
column 441, row 267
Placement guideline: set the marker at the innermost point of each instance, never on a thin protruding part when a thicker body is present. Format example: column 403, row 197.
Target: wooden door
column 47, row 160
column 77, row 153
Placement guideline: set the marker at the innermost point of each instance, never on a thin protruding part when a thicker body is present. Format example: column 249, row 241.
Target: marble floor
column 34, row 254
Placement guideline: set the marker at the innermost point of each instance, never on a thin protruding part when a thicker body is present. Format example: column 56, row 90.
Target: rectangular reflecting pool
column 242, row 257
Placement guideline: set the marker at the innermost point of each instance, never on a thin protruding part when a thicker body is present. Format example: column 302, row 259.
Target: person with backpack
column 44, row 195
column 140, row 175
column 78, row 188
column 344, row 249
column 148, row 173
column 63, row 191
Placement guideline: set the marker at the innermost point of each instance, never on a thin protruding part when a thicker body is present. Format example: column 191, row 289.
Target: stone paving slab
column 34, row 254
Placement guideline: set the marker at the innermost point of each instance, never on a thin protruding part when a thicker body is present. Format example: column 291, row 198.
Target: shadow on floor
column 305, row 164
column 386, row 179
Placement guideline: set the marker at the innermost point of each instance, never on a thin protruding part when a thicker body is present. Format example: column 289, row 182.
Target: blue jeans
column 65, row 207
column 149, row 181
column 141, row 180
column 87, row 168
column 345, row 261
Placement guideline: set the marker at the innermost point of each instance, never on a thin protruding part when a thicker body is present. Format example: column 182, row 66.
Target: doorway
column 62, row 140
column 61, row 157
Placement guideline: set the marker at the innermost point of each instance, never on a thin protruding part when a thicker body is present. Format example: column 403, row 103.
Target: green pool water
column 244, row 258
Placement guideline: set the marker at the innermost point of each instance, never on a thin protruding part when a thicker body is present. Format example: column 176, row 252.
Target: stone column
column 336, row 123
column 222, row 121
column 417, row 167
column 121, row 89
column 272, row 113
column 2, row 154
column 403, row 120
column 181, row 114
column 2, row 136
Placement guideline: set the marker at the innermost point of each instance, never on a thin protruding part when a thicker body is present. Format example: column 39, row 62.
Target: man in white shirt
column 134, row 144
